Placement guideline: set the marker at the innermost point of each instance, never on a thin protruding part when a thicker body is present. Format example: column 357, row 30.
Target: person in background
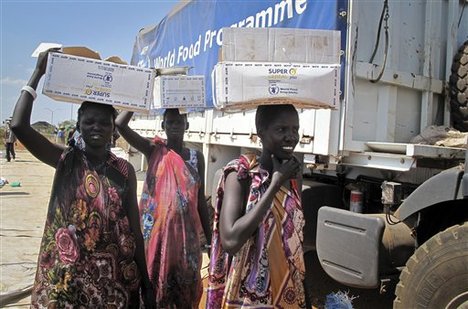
column 70, row 135
column 10, row 140
column 256, row 250
column 92, row 253
column 173, row 211
column 60, row 136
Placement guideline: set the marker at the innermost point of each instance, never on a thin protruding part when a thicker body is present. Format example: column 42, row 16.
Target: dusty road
column 22, row 214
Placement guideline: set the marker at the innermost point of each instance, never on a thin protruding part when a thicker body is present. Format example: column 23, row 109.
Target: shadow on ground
column 319, row 285
column 13, row 193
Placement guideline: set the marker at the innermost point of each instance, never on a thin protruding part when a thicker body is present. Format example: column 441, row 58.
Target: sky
column 108, row 27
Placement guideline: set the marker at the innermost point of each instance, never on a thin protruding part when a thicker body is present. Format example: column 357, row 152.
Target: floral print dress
column 86, row 258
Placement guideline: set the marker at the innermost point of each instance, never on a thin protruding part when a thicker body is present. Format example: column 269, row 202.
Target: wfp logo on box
column 273, row 89
column 107, row 78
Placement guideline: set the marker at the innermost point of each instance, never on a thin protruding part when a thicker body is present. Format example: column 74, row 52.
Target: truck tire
column 458, row 86
column 436, row 275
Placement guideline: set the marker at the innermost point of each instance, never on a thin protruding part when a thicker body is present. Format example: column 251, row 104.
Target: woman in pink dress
column 173, row 211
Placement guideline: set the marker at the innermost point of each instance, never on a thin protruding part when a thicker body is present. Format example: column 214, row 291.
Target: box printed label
column 179, row 92
column 246, row 84
column 77, row 79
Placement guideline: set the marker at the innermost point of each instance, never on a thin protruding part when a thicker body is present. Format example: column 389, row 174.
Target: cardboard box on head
column 277, row 66
column 78, row 74
column 179, row 91
column 245, row 85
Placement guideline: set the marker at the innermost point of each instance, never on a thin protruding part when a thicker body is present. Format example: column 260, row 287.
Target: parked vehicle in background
column 404, row 77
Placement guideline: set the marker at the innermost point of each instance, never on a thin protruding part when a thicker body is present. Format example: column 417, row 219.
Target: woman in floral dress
column 173, row 211
column 92, row 253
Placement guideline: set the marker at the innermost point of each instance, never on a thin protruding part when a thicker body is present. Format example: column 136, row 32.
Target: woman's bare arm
column 202, row 206
column 141, row 143
column 131, row 206
column 235, row 227
column 35, row 142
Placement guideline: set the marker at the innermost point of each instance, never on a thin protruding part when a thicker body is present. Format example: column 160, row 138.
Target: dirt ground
column 22, row 214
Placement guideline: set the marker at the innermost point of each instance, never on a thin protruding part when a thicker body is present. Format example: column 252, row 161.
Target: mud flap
column 348, row 246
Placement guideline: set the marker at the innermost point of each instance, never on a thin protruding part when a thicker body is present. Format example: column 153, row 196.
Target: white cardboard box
column 291, row 45
column 76, row 79
column 179, row 91
column 244, row 85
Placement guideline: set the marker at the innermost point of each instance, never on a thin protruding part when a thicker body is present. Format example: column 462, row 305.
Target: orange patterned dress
column 171, row 227
column 268, row 271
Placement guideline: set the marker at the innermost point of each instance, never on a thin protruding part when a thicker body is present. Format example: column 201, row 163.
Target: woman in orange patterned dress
column 256, row 255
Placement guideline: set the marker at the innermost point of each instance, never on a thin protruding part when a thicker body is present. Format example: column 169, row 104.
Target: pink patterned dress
column 86, row 259
column 171, row 228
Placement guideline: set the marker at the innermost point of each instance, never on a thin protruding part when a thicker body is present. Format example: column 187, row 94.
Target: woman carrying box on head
column 92, row 253
column 256, row 251
column 173, row 211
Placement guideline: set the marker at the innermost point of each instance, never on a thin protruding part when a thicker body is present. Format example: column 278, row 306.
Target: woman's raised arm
column 141, row 143
column 35, row 142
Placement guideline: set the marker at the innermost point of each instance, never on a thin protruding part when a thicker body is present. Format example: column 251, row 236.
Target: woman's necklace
column 98, row 167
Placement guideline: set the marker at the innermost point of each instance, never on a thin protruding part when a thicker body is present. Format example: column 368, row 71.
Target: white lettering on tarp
column 250, row 22
column 213, row 36
column 167, row 61
column 264, row 18
column 300, row 6
column 209, row 35
column 279, row 11
column 190, row 52
column 268, row 17
column 219, row 37
column 272, row 16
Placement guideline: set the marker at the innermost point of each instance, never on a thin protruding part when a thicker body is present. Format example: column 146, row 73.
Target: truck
column 404, row 76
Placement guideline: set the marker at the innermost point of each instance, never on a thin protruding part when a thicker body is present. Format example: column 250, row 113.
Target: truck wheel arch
column 439, row 217
column 437, row 189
